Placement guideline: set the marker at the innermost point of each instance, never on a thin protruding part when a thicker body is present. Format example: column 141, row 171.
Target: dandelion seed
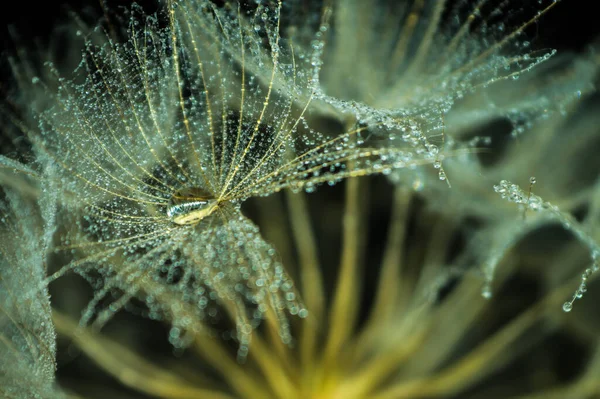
column 153, row 145
column 416, row 63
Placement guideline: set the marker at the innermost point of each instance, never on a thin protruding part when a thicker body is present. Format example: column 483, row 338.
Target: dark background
column 571, row 25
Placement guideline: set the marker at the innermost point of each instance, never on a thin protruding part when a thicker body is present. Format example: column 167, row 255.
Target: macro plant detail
column 159, row 152
column 515, row 194
column 27, row 337
column 433, row 57
column 170, row 170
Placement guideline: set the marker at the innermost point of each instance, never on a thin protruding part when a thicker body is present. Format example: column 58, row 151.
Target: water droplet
column 486, row 291
column 418, row 184
column 567, row 306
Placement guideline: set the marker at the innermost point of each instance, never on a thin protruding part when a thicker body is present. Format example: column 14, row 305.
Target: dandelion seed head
column 149, row 150
column 152, row 145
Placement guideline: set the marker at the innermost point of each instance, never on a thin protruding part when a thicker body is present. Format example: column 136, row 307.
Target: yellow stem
column 345, row 305
column 481, row 361
column 129, row 368
column 310, row 276
column 390, row 275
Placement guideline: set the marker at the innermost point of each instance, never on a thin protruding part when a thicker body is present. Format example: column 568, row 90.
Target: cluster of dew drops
column 513, row 193
column 568, row 305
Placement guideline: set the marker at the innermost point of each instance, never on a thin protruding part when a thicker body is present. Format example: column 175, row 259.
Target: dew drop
column 418, row 184
column 486, row 292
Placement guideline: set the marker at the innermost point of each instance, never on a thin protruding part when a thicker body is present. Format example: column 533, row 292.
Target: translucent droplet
column 567, row 306
column 418, row 184
column 486, row 291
